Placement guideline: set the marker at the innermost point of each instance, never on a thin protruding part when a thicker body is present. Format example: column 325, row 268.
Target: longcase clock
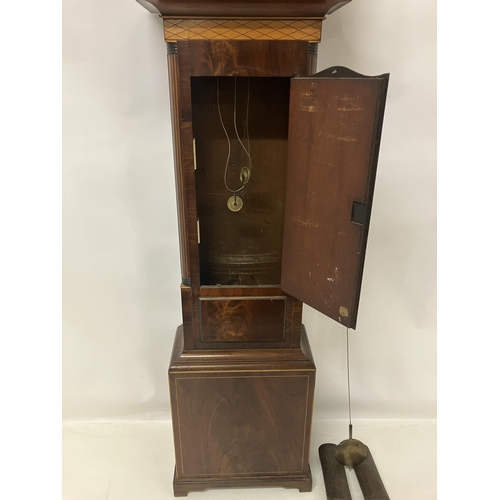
column 275, row 170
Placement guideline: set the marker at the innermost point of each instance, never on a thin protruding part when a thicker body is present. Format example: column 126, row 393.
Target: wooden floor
column 134, row 461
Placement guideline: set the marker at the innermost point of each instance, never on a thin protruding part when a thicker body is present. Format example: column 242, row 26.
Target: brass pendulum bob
column 353, row 454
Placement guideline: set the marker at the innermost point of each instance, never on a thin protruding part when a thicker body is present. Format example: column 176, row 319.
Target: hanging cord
column 234, row 191
column 349, row 382
column 246, row 123
column 246, row 133
column 228, row 143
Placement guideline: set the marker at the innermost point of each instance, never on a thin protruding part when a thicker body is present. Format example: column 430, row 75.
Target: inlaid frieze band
column 308, row 30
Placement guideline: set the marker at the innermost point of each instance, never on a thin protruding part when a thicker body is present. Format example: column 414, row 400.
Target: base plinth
column 241, row 418
column 302, row 483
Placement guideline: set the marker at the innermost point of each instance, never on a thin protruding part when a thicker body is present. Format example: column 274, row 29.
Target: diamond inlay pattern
column 245, row 29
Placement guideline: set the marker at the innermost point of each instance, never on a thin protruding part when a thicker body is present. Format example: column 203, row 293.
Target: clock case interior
column 240, row 248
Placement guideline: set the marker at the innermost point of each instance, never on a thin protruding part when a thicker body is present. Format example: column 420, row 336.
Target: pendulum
column 353, row 454
column 350, row 452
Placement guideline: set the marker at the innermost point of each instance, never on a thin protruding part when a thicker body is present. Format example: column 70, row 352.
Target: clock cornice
column 242, row 8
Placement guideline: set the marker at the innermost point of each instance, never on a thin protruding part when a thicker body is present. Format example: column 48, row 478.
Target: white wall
column 121, row 259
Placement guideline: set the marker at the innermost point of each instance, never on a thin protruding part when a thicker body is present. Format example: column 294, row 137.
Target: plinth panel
column 242, row 424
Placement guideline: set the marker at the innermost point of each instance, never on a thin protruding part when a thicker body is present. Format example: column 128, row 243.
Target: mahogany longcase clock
column 275, row 170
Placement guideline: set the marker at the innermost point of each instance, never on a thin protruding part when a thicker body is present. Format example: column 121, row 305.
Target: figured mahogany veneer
column 243, row 320
column 238, row 58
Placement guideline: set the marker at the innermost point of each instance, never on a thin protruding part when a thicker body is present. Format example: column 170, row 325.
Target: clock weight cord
column 235, row 202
